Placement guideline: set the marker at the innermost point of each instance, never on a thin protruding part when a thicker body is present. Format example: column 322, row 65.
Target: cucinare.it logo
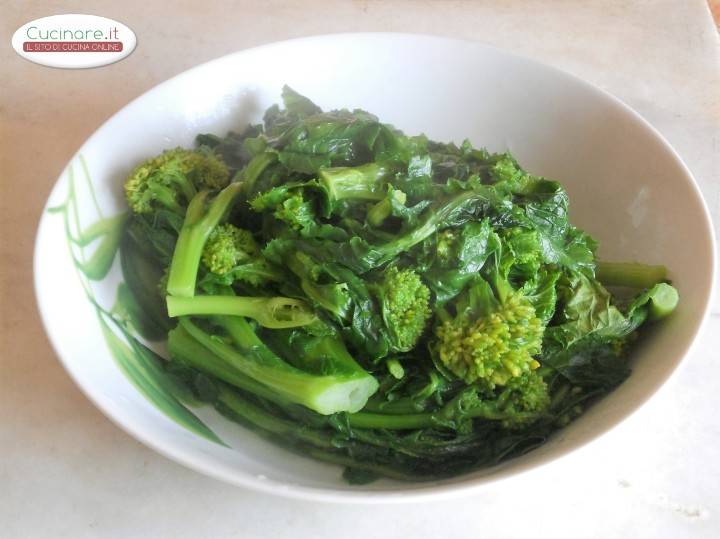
column 74, row 41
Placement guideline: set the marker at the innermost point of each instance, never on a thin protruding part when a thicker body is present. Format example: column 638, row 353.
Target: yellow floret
column 496, row 347
column 406, row 310
column 226, row 247
column 172, row 179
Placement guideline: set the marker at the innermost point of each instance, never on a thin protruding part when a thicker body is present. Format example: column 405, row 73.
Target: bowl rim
column 414, row 492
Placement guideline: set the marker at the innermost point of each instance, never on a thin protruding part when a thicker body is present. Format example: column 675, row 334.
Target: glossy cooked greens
column 402, row 307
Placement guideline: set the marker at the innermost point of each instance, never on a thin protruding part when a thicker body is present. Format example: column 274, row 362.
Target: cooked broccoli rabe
column 363, row 183
column 203, row 215
column 447, row 246
column 493, row 333
column 343, row 387
column 404, row 300
column 172, row 179
column 521, row 398
column 490, row 340
column 226, row 247
column 232, row 255
column 629, row 274
column 380, row 211
column 523, row 401
column 269, row 312
column 287, row 204
column 524, row 245
column 299, row 204
column 402, row 307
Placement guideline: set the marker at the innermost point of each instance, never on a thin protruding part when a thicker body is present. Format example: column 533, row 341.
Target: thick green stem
column 629, row 274
column 273, row 312
column 663, row 301
column 380, row 211
column 185, row 349
column 186, row 186
column 325, row 394
column 165, row 196
column 321, row 443
column 255, row 168
column 272, row 424
column 199, row 223
column 364, row 420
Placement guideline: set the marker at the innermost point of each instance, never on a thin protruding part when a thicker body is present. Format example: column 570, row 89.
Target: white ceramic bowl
column 628, row 188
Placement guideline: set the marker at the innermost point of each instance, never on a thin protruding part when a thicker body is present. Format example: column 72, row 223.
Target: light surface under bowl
column 627, row 188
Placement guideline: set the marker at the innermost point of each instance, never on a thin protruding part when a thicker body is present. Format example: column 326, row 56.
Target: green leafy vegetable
column 401, row 307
